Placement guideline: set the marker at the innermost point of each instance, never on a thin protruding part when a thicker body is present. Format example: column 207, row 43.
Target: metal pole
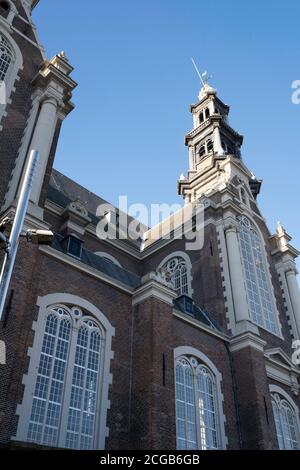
column 17, row 227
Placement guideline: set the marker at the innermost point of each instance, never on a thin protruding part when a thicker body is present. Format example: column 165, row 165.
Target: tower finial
column 204, row 79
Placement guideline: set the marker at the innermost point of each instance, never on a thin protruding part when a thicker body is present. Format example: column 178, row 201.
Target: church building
column 122, row 344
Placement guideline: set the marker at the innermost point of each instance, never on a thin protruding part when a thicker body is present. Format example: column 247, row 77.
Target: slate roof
column 103, row 265
column 62, row 190
column 198, row 313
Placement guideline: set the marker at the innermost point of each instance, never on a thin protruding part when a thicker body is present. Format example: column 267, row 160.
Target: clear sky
column 136, row 82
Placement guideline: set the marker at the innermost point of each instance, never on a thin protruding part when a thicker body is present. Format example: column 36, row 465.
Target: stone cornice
column 246, row 340
column 153, row 288
column 54, row 79
column 210, row 96
column 282, row 370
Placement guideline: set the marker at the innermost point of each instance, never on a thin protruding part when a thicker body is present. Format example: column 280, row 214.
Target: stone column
column 42, row 140
column 211, row 106
column 291, row 278
column 217, row 141
column 236, row 274
column 191, row 159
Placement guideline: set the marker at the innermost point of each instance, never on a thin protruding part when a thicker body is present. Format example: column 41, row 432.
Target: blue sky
column 136, row 82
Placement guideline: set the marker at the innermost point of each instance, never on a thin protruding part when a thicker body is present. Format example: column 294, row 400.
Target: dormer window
column 73, row 245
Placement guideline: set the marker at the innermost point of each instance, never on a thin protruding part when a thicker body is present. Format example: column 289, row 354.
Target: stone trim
column 190, row 351
column 153, row 288
column 226, row 281
column 283, row 371
column 275, row 389
column 16, row 66
column 286, row 300
column 246, row 340
column 189, row 267
column 23, row 410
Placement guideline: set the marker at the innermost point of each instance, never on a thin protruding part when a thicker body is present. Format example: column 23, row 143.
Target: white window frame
column 29, row 380
column 188, row 264
column 284, row 396
column 189, row 352
column 266, row 267
column 15, row 66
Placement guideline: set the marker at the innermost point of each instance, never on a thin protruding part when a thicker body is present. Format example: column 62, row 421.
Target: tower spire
column 212, row 142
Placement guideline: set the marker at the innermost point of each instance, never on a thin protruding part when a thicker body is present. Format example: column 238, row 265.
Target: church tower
column 218, row 176
column 214, row 150
column 258, row 270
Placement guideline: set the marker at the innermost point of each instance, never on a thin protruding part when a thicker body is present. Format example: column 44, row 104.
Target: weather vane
column 204, row 77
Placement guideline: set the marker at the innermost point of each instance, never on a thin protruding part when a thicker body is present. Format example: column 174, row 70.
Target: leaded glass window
column 176, row 270
column 287, row 427
column 197, row 414
column 6, row 57
column 256, row 277
column 66, row 393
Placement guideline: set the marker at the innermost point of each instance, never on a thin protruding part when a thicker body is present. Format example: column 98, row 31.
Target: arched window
column 65, row 400
column 206, row 148
column 201, row 117
column 202, row 151
column 197, row 412
column 207, row 113
column 286, row 422
column 258, row 283
column 65, row 397
column 6, row 57
column 176, row 271
column 210, row 146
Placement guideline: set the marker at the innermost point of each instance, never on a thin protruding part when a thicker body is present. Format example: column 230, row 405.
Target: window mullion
column 251, row 242
column 51, row 374
column 84, row 387
column 197, row 412
column 66, row 399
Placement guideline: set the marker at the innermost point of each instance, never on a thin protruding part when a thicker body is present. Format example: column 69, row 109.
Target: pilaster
column 153, row 423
